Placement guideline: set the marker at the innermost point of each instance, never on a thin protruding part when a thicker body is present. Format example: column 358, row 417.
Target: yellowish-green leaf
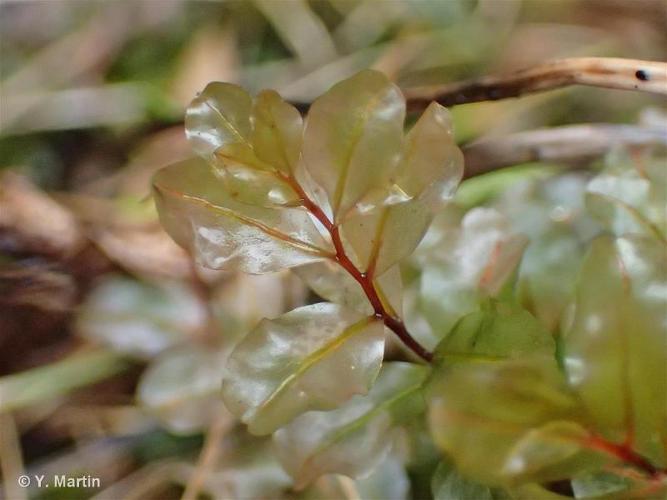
column 353, row 137
column 219, row 116
column 500, row 330
column 277, row 131
column 353, row 439
column 616, row 346
column 432, row 165
column 511, row 398
column 313, row 358
column 223, row 233
column 253, row 186
column 384, row 236
column 331, row 282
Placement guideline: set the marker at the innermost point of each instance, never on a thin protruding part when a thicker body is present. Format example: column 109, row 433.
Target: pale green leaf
column 137, row 318
column 448, row 484
column 599, row 484
column 313, row 358
column 432, row 165
column 218, row 116
column 180, row 388
column 631, row 199
column 464, row 263
column 223, row 233
column 247, row 470
column 389, row 480
column 353, row 138
column 353, row 439
column 552, row 214
column 616, row 347
column 618, row 485
column 277, row 131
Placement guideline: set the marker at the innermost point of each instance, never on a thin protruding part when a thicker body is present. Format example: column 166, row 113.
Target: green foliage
column 273, row 378
column 345, row 198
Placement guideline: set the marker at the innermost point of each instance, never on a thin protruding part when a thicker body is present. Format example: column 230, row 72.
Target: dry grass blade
column 614, row 73
column 573, row 144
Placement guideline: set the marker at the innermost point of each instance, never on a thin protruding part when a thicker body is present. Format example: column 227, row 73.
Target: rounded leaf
column 353, row 439
column 353, row 137
column 315, row 357
column 137, row 318
column 219, row 116
column 223, row 233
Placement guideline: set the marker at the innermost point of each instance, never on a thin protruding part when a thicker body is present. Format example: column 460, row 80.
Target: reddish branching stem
column 625, row 454
column 365, row 280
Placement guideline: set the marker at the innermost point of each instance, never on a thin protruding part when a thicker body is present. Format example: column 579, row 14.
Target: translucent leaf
column 249, row 183
column 222, row 233
column 617, row 485
column 631, row 199
column 388, row 480
column 552, row 451
column 448, row 484
column 386, row 235
column 432, row 164
column 313, row 358
column 219, row 116
column 137, row 318
column 331, row 282
column 500, row 330
column 615, row 351
column 353, row 439
column 463, row 263
column 179, row 388
column 353, row 136
column 248, row 470
column 277, row 131
column 511, row 399
column 552, row 214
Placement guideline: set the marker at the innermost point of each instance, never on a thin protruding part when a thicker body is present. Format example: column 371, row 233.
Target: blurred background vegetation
column 111, row 339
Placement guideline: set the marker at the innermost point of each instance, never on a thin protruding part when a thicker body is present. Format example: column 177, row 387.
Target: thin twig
column 208, row 457
column 613, row 73
column 572, row 144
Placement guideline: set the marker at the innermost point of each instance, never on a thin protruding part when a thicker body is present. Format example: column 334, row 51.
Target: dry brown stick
column 614, row 73
column 572, row 144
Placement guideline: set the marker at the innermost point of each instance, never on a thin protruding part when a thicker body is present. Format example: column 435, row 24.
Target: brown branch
column 613, row 73
column 572, row 144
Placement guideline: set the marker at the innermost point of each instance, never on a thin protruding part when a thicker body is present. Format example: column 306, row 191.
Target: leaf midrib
column 302, row 245
column 312, row 359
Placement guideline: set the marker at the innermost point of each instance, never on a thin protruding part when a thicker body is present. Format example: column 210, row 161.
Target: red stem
column 625, row 454
column 365, row 280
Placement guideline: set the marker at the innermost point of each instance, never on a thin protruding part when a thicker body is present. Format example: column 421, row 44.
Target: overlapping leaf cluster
column 343, row 197
column 599, row 416
column 547, row 314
